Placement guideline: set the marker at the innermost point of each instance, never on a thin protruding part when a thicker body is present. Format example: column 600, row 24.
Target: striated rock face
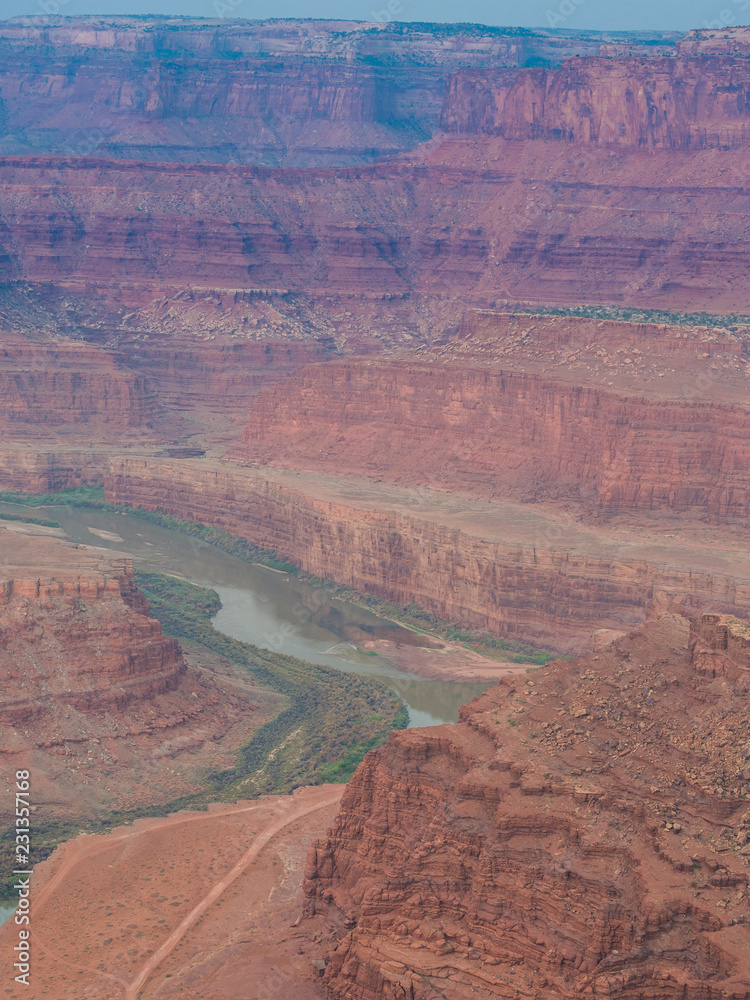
column 283, row 93
column 476, row 220
column 94, row 699
column 584, row 831
column 464, row 415
column 220, row 378
column 33, row 470
column 498, row 567
column 46, row 384
column 74, row 631
column 681, row 103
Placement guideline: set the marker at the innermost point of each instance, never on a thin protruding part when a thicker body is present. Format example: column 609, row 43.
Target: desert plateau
column 374, row 508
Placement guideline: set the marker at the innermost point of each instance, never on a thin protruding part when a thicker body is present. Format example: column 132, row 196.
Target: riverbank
column 495, row 657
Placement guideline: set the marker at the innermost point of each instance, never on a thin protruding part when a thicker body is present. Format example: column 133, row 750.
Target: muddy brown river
column 267, row 608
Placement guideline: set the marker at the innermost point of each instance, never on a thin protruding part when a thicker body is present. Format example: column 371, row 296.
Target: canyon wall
column 531, row 581
column 477, row 222
column 45, row 384
column 107, row 712
column 31, row 468
column 74, row 631
column 582, row 833
column 457, row 416
column 291, row 93
column 680, row 103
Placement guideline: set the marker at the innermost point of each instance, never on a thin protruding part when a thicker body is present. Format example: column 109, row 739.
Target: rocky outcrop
column 106, row 711
column 283, row 93
column 47, row 384
column 581, row 832
column 74, row 631
column 495, row 567
column 693, row 103
column 719, row 39
column 457, row 415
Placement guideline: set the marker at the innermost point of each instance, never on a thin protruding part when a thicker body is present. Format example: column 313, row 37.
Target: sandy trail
column 285, row 810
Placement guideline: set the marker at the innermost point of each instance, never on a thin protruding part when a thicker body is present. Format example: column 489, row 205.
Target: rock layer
column 106, row 711
column 498, row 567
column 457, row 415
column 76, row 632
column 292, row 93
column 652, row 104
column 45, row 384
column 479, row 220
column 582, row 833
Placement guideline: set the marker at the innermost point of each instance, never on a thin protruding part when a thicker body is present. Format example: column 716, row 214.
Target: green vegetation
column 412, row 615
column 83, row 496
column 93, row 496
column 329, row 721
column 24, row 519
column 729, row 321
column 425, row 622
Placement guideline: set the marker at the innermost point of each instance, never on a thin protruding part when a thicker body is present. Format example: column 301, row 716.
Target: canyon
column 450, row 316
column 583, row 830
column 507, row 569
column 298, row 93
column 531, row 408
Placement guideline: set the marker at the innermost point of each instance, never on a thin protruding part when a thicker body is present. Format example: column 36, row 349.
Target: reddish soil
column 106, row 711
column 200, row 906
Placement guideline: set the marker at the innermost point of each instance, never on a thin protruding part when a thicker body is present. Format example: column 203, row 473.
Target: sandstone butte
column 95, row 699
column 582, row 831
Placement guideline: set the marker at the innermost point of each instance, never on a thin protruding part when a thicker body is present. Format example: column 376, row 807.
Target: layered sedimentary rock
column 45, row 384
column 106, row 711
column 75, row 631
column 222, row 377
column 581, row 832
column 26, row 468
column 465, row 415
column 652, row 104
column 292, row 93
column 482, row 221
column 499, row 567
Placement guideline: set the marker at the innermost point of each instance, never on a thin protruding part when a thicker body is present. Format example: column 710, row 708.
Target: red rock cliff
column 499, row 568
column 471, row 222
column 292, row 93
column 76, row 632
column 45, row 384
column 581, row 832
column 681, row 103
column 459, row 416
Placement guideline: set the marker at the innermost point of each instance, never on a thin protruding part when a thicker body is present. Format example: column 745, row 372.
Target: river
column 267, row 608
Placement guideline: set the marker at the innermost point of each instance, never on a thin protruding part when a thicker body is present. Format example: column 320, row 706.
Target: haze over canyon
column 448, row 322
